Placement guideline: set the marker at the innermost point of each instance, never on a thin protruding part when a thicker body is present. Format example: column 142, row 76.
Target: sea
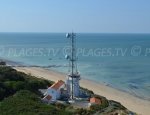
column 121, row 61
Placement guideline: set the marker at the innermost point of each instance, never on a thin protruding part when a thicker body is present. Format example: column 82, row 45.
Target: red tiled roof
column 95, row 100
column 48, row 97
column 57, row 85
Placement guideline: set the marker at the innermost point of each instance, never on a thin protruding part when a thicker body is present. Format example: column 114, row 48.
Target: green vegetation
column 87, row 91
column 19, row 95
column 12, row 81
column 27, row 103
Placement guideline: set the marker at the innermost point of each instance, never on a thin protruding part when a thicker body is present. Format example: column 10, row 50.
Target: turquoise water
column 119, row 60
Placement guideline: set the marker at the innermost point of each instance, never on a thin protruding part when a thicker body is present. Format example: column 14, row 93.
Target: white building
column 47, row 98
column 73, row 90
column 54, row 92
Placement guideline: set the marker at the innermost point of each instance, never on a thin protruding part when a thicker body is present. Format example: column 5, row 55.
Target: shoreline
column 131, row 102
column 21, row 64
column 102, row 83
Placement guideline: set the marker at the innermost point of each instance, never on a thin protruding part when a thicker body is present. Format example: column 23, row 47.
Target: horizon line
column 85, row 32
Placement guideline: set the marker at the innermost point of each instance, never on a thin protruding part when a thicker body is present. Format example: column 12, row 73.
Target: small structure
column 47, row 98
column 94, row 101
column 54, row 92
column 2, row 63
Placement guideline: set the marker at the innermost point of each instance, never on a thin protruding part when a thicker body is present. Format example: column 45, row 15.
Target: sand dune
column 133, row 103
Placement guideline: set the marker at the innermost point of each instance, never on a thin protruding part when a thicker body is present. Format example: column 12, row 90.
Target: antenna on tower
column 73, row 77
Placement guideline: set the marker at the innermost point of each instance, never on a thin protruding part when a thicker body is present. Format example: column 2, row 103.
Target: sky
column 84, row 16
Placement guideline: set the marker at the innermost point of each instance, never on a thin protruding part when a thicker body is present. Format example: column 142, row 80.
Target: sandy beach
column 131, row 102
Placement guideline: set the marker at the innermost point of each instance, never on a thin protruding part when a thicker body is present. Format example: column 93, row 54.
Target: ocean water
column 121, row 61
